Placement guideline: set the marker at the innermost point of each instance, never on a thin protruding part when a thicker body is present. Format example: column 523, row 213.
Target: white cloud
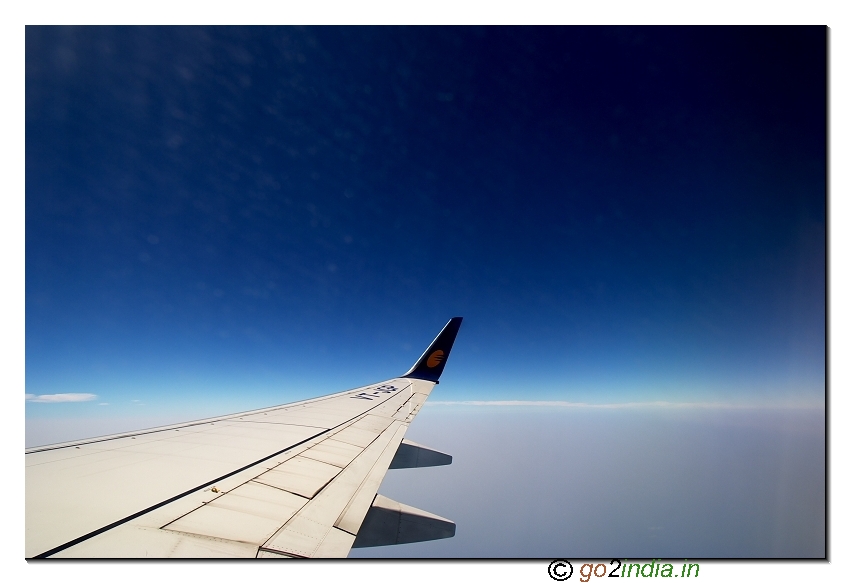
column 61, row 398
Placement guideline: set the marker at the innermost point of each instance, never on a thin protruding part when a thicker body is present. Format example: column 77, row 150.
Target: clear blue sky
column 219, row 219
column 618, row 213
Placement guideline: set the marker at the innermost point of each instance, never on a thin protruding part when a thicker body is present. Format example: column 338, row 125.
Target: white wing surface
column 296, row 480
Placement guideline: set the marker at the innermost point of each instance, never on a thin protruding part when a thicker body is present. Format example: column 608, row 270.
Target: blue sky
column 219, row 219
column 618, row 213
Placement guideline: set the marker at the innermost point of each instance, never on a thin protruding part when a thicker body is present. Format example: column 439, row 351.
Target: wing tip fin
column 430, row 365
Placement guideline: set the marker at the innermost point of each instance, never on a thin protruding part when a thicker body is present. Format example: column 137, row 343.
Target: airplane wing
column 296, row 480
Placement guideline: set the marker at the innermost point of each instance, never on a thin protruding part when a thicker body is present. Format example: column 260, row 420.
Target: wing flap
column 306, row 532
column 354, row 513
column 300, row 475
column 226, row 523
column 250, row 513
column 333, row 451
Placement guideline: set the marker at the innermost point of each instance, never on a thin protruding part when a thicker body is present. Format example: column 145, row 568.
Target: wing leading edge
column 297, row 480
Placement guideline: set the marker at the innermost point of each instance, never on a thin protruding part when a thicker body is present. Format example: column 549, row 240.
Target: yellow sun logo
column 435, row 358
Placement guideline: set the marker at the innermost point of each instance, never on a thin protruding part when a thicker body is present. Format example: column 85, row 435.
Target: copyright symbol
column 560, row 570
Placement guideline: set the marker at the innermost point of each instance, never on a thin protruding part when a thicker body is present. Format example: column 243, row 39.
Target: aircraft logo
column 435, row 358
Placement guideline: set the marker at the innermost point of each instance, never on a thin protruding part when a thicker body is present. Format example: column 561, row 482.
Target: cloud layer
column 637, row 482
column 630, row 405
column 61, row 398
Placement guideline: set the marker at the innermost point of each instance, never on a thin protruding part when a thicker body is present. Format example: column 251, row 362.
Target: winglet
column 430, row 365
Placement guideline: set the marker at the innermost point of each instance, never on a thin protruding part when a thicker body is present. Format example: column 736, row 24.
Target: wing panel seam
column 135, row 515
